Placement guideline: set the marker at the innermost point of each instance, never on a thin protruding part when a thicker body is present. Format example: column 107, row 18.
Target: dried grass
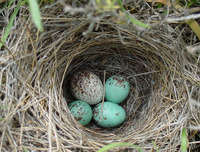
column 36, row 68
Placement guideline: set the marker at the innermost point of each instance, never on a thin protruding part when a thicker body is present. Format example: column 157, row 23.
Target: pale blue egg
column 110, row 115
column 81, row 111
column 117, row 89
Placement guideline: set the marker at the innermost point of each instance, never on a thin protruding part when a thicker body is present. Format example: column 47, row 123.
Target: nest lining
column 157, row 107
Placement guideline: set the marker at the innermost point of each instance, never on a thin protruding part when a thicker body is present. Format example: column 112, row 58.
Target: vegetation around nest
column 132, row 38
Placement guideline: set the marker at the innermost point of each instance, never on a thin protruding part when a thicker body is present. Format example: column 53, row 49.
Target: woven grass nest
column 35, row 84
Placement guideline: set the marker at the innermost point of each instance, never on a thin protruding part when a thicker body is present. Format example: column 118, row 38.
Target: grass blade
column 10, row 24
column 120, row 144
column 155, row 146
column 184, row 140
column 133, row 20
column 10, row 3
column 136, row 22
column 194, row 25
column 35, row 14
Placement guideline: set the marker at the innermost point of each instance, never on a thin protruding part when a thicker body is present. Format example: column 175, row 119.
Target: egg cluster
column 88, row 90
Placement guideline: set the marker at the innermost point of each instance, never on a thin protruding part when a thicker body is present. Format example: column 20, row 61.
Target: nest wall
column 38, row 91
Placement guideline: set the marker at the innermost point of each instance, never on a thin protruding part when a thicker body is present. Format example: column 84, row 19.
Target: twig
column 194, row 16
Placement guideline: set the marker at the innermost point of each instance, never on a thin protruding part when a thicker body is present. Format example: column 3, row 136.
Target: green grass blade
column 10, row 24
column 23, row 2
column 10, row 3
column 136, row 22
column 184, row 141
column 120, row 144
column 121, row 6
column 133, row 20
column 35, row 14
column 155, row 146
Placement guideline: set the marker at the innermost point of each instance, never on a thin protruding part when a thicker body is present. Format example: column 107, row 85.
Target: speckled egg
column 117, row 89
column 81, row 111
column 112, row 114
column 87, row 86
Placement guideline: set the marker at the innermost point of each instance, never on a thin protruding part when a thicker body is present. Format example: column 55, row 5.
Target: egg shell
column 81, row 111
column 117, row 89
column 112, row 114
column 86, row 86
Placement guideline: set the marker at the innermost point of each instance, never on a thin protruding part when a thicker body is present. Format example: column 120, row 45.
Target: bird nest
column 36, row 75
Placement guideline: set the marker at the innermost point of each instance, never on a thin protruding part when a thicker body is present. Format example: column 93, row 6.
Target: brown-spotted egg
column 87, row 86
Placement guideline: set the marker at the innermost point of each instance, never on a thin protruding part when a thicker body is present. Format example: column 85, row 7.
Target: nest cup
column 152, row 62
column 144, row 62
column 141, row 61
